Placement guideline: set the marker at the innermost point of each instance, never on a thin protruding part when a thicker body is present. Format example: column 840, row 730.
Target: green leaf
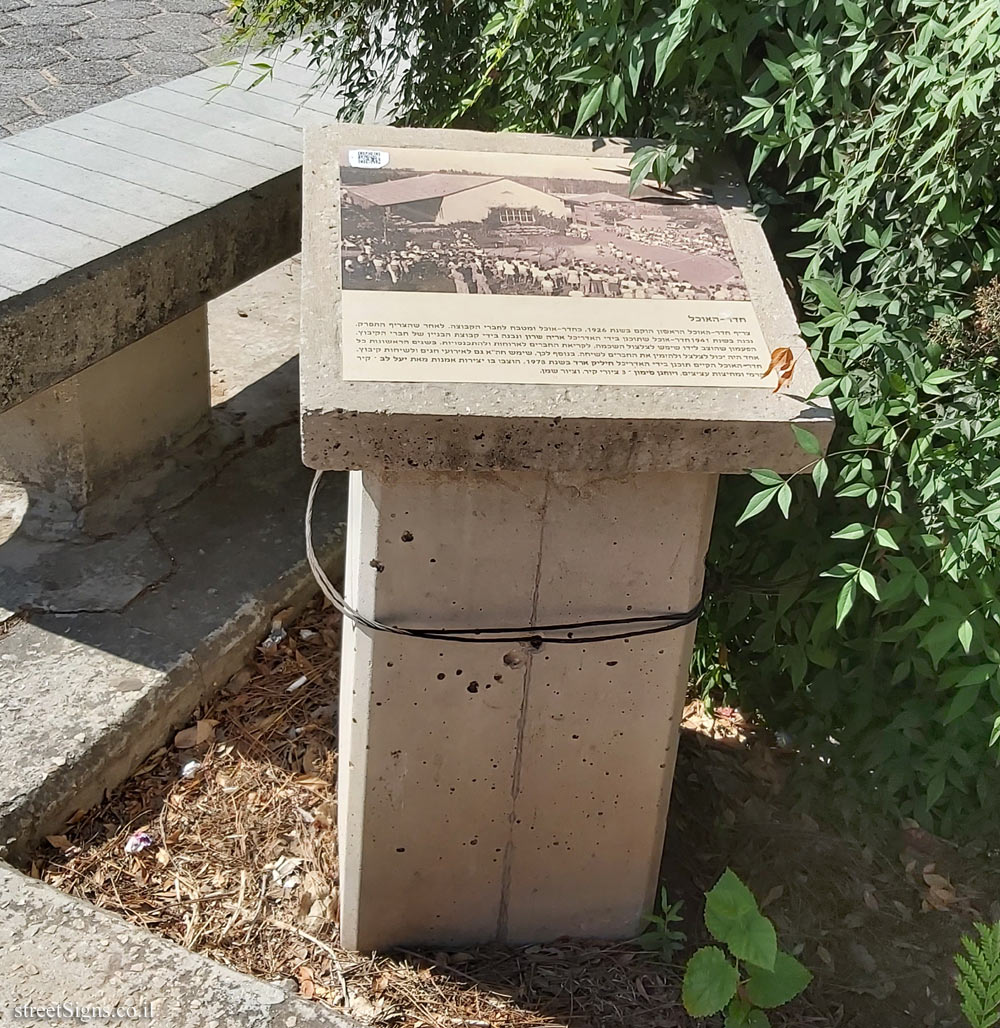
column 884, row 538
column 589, row 105
column 737, row 1013
column 807, row 441
column 710, row 982
column 732, row 916
column 995, row 734
column 616, row 95
column 495, row 23
column 962, row 702
column 758, row 502
column 867, row 582
column 740, row 1014
column 853, row 531
column 820, row 473
column 781, row 74
column 592, row 73
column 641, row 164
column 965, row 635
column 635, row 66
column 824, row 292
column 785, row 498
column 773, row 988
column 766, row 477
column 991, row 480
column 845, row 600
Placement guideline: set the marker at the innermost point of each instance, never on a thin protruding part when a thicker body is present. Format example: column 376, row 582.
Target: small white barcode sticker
column 367, row 158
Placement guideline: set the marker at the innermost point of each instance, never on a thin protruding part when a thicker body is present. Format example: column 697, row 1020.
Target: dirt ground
column 233, row 829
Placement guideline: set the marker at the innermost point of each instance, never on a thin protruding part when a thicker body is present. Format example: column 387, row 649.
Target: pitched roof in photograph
column 418, row 187
column 592, row 197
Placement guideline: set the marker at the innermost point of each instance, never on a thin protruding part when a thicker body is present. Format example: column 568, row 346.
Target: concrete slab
column 56, row 950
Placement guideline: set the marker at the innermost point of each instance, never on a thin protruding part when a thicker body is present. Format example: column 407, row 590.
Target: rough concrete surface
column 56, row 950
column 59, row 57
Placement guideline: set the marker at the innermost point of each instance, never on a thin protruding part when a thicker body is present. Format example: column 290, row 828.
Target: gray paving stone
column 13, row 110
column 109, row 28
column 210, row 7
column 176, row 22
column 35, row 35
column 102, row 49
column 34, row 121
column 127, row 9
column 6, row 20
column 171, row 42
column 62, row 101
column 13, row 5
column 20, row 82
column 92, row 73
column 51, row 15
column 32, row 57
column 169, row 66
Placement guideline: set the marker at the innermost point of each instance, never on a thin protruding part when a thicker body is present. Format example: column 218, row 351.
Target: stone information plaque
column 526, row 268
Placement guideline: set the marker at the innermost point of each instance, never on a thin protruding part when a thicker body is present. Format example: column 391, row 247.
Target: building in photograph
column 445, row 199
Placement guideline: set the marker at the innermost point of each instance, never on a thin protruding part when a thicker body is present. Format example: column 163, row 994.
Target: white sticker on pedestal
column 368, row 158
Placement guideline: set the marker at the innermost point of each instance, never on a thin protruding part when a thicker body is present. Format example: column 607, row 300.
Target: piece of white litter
column 297, row 684
column 283, row 871
column 306, row 633
column 137, row 842
column 190, row 769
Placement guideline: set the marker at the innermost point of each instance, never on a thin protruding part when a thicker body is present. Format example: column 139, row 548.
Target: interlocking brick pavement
column 59, row 57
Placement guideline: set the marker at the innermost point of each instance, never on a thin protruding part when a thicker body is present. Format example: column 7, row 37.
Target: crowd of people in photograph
column 609, row 270
column 696, row 239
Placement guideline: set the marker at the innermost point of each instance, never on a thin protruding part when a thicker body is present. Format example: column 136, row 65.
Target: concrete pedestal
column 78, row 438
column 491, row 791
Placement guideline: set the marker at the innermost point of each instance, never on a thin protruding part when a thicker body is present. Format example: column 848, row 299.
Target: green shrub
column 869, row 130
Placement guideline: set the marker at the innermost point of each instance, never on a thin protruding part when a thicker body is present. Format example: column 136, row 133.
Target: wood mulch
column 234, row 827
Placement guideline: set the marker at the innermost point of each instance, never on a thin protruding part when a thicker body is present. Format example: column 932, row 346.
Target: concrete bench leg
column 113, row 419
column 492, row 791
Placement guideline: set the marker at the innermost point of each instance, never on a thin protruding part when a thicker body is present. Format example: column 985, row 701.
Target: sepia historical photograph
column 451, row 232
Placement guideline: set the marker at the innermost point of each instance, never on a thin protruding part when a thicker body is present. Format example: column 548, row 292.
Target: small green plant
column 759, row 976
column 979, row 976
column 661, row 938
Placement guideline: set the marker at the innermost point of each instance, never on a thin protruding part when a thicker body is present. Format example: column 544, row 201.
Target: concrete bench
column 116, row 227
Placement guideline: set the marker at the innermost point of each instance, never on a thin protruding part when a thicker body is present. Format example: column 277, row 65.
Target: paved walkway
column 59, row 57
